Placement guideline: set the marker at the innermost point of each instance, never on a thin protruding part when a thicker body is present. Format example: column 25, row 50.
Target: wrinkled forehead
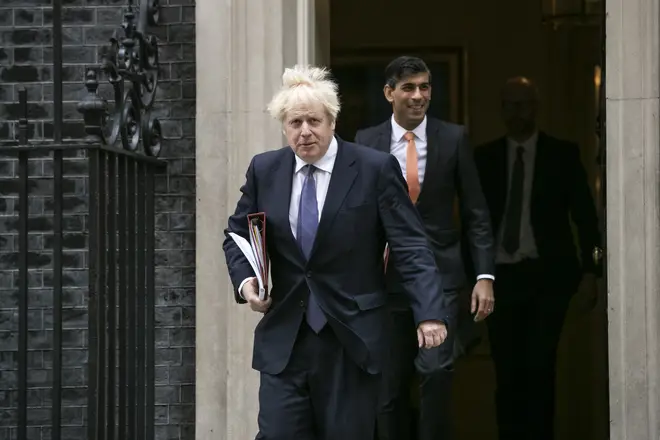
column 307, row 111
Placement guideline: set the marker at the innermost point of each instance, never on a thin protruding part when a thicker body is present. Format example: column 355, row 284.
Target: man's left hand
column 431, row 334
column 483, row 299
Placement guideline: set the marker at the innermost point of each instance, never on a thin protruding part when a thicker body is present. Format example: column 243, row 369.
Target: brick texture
column 25, row 61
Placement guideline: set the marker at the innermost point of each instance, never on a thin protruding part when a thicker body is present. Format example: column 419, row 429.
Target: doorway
column 472, row 47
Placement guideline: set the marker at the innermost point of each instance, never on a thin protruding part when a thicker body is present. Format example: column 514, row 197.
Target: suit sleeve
column 474, row 211
column 410, row 251
column 583, row 211
column 238, row 265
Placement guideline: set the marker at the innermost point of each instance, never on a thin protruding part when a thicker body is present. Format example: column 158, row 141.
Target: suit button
column 309, row 274
column 302, row 303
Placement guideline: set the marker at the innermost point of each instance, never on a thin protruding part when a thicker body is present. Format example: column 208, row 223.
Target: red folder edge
column 262, row 217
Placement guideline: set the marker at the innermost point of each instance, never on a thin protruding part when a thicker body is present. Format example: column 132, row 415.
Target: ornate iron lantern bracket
column 130, row 64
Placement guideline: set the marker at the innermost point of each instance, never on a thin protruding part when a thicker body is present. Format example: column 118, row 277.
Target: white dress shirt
column 527, row 248
column 398, row 147
column 322, row 176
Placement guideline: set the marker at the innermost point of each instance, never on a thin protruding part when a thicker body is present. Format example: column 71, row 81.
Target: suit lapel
column 539, row 169
column 501, row 178
column 281, row 182
column 433, row 145
column 341, row 181
column 384, row 139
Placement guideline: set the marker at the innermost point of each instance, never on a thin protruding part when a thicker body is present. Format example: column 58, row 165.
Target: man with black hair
column 437, row 162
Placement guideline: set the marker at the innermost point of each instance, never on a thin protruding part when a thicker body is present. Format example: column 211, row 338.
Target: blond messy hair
column 305, row 85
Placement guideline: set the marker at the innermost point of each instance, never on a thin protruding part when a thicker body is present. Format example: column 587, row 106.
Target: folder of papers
column 255, row 250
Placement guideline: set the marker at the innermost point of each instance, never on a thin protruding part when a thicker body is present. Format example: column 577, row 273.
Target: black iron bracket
column 131, row 66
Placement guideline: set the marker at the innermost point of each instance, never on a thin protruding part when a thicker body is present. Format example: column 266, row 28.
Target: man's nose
column 304, row 129
column 418, row 93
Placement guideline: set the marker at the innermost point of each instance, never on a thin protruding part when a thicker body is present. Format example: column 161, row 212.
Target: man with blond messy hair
column 330, row 206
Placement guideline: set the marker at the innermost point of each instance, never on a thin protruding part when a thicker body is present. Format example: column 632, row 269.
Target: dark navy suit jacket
column 450, row 173
column 367, row 205
column 560, row 193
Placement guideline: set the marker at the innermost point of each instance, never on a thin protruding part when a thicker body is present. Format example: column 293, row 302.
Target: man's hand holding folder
column 255, row 290
column 250, row 291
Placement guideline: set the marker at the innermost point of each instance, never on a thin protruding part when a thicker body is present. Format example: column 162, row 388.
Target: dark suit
column 325, row 385
column 450, row 172
column 533, row 294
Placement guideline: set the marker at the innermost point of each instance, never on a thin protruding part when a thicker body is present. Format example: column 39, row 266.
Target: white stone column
column 306, row 31
column 242, row 49
column 313, row 32
column 633, row 238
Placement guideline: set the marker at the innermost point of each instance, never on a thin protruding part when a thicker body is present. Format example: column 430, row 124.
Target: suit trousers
column 524, row 331
column 396, row 420
column 321, row 394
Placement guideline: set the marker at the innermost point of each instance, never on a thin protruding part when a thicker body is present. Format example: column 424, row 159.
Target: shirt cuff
column 484, row 276
column 240, row 287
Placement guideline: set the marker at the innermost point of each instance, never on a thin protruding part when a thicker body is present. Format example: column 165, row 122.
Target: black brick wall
column 25, row 57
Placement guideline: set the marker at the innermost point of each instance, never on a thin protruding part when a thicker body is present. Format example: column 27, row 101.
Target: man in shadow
column 534, row 185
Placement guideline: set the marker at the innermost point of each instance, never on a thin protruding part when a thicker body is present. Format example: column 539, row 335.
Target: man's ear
column 389, row 93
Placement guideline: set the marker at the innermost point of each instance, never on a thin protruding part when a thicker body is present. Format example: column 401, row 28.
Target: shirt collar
column 326, row 163
column 398, row 131
column 528, row 145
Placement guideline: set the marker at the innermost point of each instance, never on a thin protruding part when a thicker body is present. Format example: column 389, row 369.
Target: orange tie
column 412, row 173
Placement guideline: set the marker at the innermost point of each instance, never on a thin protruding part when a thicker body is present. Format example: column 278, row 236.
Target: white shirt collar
column 528, row 145
column 398, row 131
column 326, row 163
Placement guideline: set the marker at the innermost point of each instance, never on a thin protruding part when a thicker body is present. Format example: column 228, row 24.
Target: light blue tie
column 308, row 222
